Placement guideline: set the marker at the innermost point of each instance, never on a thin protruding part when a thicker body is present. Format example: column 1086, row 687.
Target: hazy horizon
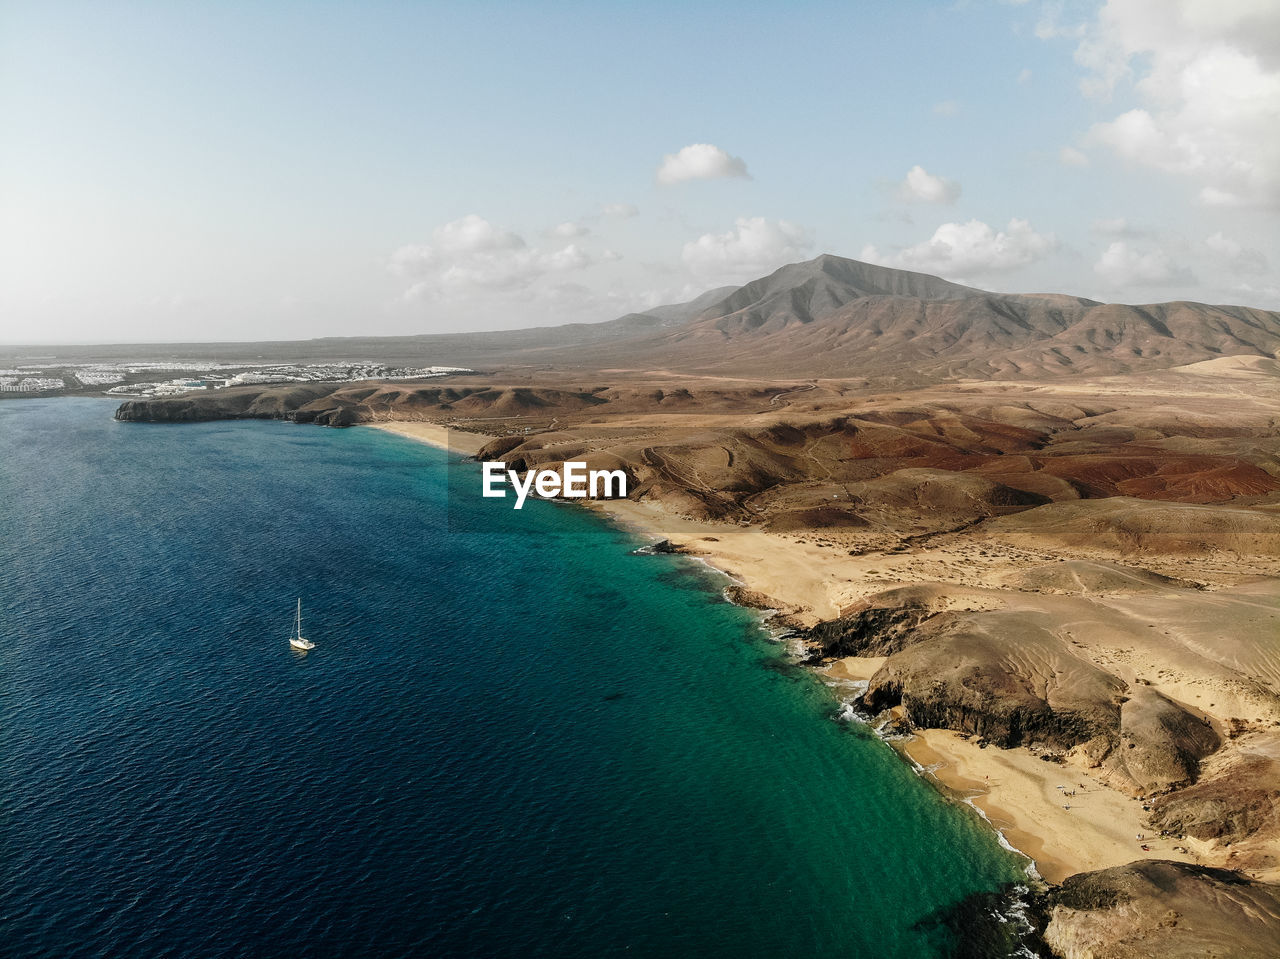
column 204, row 173
column 16, row 344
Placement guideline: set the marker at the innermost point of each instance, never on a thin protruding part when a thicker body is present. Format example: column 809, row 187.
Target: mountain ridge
column 832, row 316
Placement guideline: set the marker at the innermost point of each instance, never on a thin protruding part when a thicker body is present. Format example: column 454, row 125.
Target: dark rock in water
column 750, row 598
column 991, row 925
column 664, row 547
column 781, row 615
column 895, row 726
column 796, row 672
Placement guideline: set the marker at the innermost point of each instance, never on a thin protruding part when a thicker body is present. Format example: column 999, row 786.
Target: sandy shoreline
column 457, row 441
column 1082, row 826
column 792, row 573
column 1077, row 828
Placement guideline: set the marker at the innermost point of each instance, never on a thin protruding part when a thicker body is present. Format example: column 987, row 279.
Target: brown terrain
column 1040, row 533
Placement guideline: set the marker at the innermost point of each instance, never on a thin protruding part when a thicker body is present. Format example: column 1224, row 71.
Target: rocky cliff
column 1166, row 909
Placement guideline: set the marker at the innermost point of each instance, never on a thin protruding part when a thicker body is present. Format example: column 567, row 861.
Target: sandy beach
column 1059, row 816
column 458, row 441
column 791, row 572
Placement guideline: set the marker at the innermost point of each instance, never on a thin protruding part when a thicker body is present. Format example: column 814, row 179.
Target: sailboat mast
column 299, row 623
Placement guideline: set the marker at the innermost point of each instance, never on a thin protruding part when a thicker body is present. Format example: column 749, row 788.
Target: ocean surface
column 525, row 743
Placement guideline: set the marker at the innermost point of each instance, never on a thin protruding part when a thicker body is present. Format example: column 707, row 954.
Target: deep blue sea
column 519, row 743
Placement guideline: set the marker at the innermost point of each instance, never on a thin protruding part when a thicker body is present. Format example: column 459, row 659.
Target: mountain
column 804, row 292
column 837, row 317
column 676, row 314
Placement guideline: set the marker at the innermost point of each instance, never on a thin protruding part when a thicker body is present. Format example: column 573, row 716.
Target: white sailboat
column 296, row 639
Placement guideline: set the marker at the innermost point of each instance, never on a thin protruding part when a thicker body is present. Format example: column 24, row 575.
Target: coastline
column 1014, row 791
column 1018, row 795
column 456, row 441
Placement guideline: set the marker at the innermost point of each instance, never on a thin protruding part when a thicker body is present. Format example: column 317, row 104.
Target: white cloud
column 700, row 161
column 1264, row 297
column 620, row 210
column 648, row 299
column 973, row 248
column 470, row 237
column 568, row 230
column 946, row 108
column 1236, row 258
column 1121, row 265
column 471, row 256
column 1070, row 156
column 571, row 257
column 922, row 186
column 1024, row 76
column 1208, row 77
column 755, row 247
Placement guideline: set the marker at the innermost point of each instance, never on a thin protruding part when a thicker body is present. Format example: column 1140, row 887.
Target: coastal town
column 153, row 379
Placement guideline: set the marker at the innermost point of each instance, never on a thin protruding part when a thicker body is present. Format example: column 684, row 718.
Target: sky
column 273, row 170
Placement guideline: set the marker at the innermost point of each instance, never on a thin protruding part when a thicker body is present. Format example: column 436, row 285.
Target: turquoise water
column 531, row 744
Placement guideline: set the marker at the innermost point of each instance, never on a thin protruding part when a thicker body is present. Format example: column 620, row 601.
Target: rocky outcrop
column 876, row 627
column 1011, row 677
column 1166, row 909
column 998, row 674
column 304, row 403
column 663, row 547
column 1160, row 746
column 1239, row 797
column 339, row 416
column 780, row 614
column 344, row 404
